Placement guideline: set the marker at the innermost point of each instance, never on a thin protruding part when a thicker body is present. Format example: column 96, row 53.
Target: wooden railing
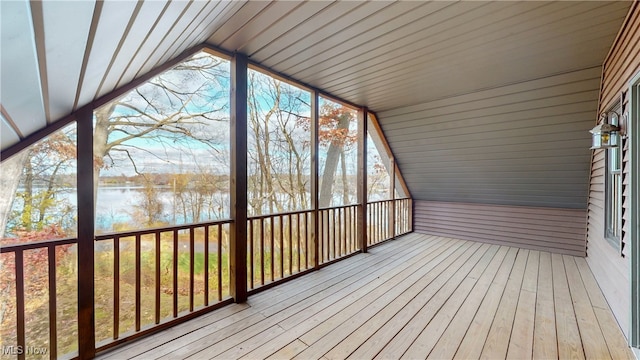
column 337, row 232
column 42, row 257
column 403, row 216
column 161, row 274
column 156, row 278
column 278, row 246
column 387, row 219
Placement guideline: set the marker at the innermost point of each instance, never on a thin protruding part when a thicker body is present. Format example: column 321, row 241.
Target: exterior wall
column 549, row 229
column 523, row 144
column 609, row 265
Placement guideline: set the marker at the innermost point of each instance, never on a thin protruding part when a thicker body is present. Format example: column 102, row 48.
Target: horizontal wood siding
column 608, row 264
column 525, row 144
column 548, row 229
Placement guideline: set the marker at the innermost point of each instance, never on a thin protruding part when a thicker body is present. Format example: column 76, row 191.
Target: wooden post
column 238, row 235
column 392, row 189
column 86, row 209
column 362, row 179
column 315, row 201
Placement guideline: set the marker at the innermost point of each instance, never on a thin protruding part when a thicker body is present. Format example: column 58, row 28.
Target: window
column 613, row 188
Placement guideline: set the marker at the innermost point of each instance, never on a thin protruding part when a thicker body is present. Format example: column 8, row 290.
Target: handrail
column 128, row 233
column 265, row 216
column 36, row 245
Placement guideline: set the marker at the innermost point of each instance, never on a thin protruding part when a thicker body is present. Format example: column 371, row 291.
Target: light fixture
column 607, row 133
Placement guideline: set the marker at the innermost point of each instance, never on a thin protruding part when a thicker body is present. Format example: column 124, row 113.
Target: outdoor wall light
column 607, row 133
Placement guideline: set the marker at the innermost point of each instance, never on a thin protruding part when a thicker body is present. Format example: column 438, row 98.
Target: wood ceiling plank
column 218, row 20
column 473, row 41
column 466, row 29
column 20, row 88
column 424, row 20
column 171, row 35
column 321, row 34
column 322, row 19
column 192, row 32
column 260, row 24
column 114, row 21
column 292, row 22
column 237, row 21
column 544, row 42
column 161, row 27
column 360, row 31
column 135, row 38
column 66, row 29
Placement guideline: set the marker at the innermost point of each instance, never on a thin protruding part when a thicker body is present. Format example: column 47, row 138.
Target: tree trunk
column 331, row 165
column 10, row 173
column 345, row 180
column 100, row 143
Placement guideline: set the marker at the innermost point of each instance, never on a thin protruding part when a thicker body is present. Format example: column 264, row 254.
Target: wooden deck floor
column 414, row 297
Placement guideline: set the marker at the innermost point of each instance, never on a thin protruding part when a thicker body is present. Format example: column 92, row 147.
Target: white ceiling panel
column 320, row 32
column 262, row 50
column 300, row 15
column 172, row 34
column 187, row 37
column 7, row 135
column 220, row 15
column 154, row 38
column 261, row 22
column 66, row 31
column 143, row 23
column 423, row 19
column 114, row 21
column 237, row 21
column 20, row 91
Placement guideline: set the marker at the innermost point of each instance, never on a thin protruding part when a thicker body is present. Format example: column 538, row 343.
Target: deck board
column 415, row 297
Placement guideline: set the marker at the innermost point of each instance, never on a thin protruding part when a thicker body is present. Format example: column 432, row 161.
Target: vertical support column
column 238, row 243
column 315, row 240
column 392, row 189
column 86, row 235
column 362, row 179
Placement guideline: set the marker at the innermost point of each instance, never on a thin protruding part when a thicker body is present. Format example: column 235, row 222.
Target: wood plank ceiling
column 60, row 55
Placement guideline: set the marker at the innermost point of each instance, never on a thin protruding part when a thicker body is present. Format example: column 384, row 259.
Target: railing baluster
column 336, row 241
column 138, row 281
column 20, row 309
column 158, row 278
column 191, row 266
column 261, row 251
column 219, row 262
column 206, row 264
column 53, row 304
column 251, row 254
column 347, row 228
column 306, row 241
column 290, row 247
column 326, row 218
column 320, row 237
column 175, row 273
column 343, row 231
column 299, row 242
column 271, row 244
column 116, row 287
column 281, row 246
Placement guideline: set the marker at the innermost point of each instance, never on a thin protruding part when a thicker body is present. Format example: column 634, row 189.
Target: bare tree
column 174, row 109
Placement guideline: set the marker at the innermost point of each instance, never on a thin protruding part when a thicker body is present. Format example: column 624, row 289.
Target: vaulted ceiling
column 412, row 62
